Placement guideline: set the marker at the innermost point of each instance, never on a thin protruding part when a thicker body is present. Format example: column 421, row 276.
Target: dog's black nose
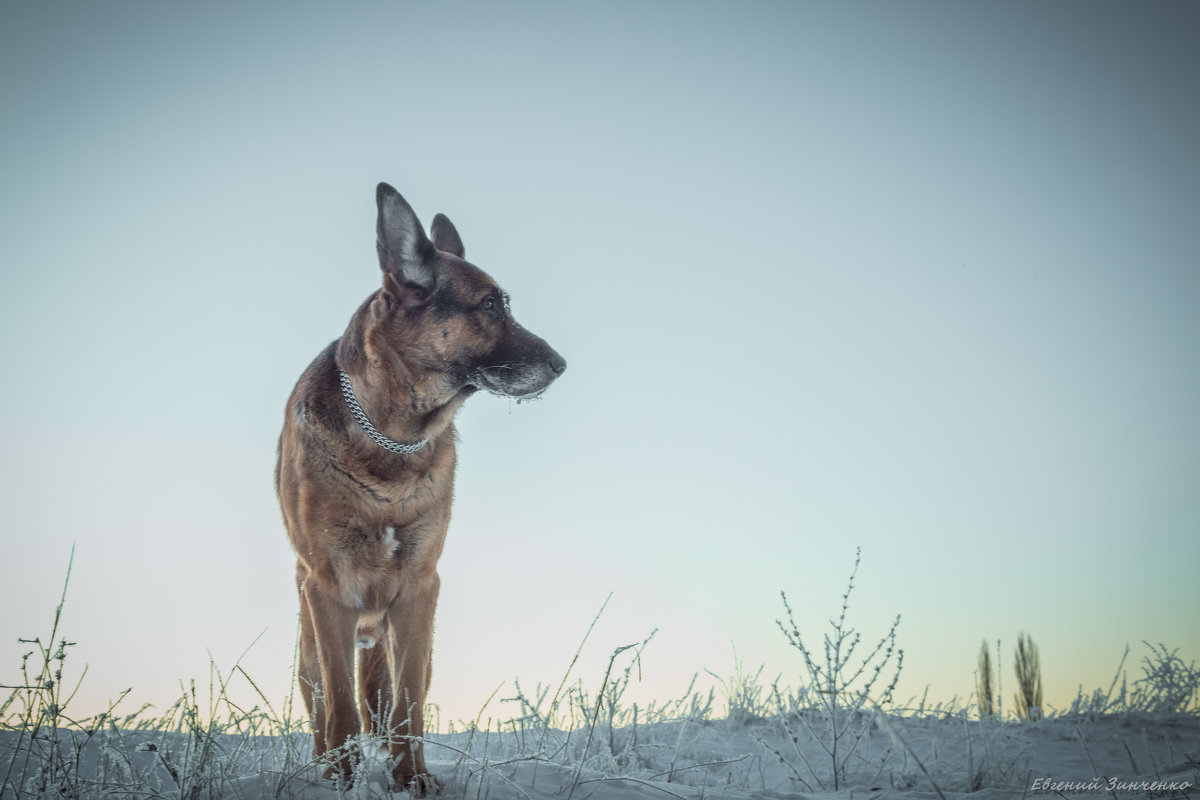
column 557, row 363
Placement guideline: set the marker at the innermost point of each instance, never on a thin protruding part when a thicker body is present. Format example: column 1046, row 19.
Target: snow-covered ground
column 840, row 735
column 914, row 757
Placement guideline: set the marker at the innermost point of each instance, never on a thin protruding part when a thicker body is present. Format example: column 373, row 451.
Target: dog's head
column 442, row 317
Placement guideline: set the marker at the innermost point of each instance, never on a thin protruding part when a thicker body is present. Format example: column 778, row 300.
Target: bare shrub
column 1167, row 685
column 844, row 688
column 745, row 696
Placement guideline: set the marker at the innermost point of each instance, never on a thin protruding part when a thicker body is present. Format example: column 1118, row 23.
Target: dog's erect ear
column 404, row 249
column 445, row 237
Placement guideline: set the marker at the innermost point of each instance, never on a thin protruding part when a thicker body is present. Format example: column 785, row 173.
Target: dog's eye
column 490, row 305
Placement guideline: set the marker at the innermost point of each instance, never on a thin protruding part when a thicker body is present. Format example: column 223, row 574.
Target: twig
column 883, row 722
column 595, row 716
column 1092, row 763
column 697, row 766
column 647, row 784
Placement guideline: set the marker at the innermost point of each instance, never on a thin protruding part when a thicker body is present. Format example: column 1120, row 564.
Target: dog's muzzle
column 522, row 369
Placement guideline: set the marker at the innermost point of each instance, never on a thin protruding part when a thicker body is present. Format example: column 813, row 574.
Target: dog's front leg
column 410, row 618
column 334, row 626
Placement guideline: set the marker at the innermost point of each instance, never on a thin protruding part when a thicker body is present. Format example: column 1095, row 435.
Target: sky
column 920, row 278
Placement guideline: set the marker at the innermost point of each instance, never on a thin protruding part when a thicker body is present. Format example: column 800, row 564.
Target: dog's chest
column 391, row 545
column 386, row 545
column 370, row 563
column 392, row 491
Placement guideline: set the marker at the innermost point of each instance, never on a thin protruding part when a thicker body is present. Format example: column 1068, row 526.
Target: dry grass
column 839, row 728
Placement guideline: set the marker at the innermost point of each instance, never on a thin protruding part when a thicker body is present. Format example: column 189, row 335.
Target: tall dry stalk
column 1029, row 679
column 985, row 684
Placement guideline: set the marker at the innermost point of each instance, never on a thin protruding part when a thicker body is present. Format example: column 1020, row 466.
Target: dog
column 365, row 478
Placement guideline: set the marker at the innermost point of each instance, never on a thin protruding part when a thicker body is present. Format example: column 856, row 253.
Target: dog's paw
column 341, row 773
column 341, row 767
column 419, row 785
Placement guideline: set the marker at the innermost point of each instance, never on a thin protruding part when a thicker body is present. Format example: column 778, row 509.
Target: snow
column 835, row 736
column 904, row 756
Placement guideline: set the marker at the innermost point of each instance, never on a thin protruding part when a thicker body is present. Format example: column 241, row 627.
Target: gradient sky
column 920, row 277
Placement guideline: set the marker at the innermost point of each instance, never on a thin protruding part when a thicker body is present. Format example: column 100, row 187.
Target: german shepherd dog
column 365, row 478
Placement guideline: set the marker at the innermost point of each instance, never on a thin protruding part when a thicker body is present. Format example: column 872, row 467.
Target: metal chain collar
column 360, row 417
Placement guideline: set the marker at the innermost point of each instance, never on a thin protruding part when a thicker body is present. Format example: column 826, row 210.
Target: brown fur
column 368, row 525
